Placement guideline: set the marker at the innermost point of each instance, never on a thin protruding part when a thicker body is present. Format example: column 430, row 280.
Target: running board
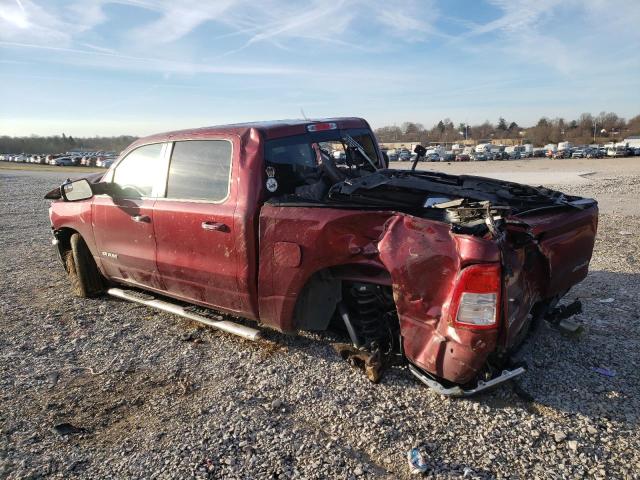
column 229, row 327
column 457, row 391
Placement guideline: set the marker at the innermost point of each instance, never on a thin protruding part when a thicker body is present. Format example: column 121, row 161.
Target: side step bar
column 229, row 327
column 457, row 391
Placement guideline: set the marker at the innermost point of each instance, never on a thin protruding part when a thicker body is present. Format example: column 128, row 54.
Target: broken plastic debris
column 604, row 371
column 607, row 300
column 570, row 327
column 564, row 311
column 417, row 462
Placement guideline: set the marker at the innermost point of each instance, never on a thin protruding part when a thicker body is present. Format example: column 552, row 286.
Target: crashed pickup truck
column 301, row 225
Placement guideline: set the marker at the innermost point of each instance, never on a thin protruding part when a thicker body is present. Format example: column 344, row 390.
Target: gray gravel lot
column 157, row 397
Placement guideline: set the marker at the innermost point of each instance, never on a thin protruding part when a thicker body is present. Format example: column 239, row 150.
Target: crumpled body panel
column 297, row 242
column 422, row 257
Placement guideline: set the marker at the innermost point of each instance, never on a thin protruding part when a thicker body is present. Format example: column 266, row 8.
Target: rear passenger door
column 194, row 225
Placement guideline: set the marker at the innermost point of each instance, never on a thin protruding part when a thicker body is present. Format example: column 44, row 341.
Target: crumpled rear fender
column 424, row 259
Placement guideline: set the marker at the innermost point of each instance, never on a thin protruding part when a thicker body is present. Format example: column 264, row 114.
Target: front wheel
column 86, row 279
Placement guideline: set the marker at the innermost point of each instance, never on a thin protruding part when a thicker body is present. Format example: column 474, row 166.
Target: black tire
column 86, row 279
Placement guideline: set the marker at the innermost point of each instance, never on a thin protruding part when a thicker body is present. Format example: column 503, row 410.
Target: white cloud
column 25, row 19
column 409, row 20
column 179, row 19
column 108, row 59
column 282, row 23
column 569, row 36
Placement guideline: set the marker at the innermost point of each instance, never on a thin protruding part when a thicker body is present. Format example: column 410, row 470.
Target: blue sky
column 102, row 67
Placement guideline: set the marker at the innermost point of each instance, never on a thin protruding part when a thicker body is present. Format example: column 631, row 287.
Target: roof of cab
column 269, row 129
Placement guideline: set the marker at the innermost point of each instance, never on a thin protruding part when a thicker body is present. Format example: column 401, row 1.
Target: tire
column 86, row 280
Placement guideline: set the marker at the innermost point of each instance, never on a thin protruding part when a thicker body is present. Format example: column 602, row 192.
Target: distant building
column 505, row 141
column 396, row 145
column 632, row 141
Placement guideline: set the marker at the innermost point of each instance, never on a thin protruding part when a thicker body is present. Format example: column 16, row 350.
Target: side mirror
column 76, row 190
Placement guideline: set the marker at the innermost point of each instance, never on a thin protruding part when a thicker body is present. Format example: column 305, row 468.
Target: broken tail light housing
column 320, row 127
column 476, row 297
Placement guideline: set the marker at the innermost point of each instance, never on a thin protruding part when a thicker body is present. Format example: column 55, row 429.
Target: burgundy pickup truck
column 301, row 225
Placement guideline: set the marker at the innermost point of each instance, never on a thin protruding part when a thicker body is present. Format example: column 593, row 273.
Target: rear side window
column 199, row 170
column 139, row 171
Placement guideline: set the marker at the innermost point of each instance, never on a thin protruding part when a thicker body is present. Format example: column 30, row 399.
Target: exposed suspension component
column 373, row 315
column 369, row 314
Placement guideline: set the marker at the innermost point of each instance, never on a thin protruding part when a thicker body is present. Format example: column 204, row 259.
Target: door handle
column 220, row 227
column 141, row 218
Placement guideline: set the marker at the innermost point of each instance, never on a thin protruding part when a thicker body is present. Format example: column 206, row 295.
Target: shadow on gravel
column 561, row 375
column 595, row 373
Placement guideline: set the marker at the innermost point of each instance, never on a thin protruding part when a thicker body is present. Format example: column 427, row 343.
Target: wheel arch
column 63, row 241
column 319, row 296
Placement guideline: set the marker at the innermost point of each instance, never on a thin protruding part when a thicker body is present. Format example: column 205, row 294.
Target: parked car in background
column 62, row 162
column 105, row 162
column 90, row 160
column 538, row 152
column 616, row 152
column 578, row 153
column 463, row 157
column 339, row 155
column 478, row 156
column 593, row 153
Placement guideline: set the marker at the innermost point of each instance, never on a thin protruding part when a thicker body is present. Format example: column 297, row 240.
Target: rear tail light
column 476, row 297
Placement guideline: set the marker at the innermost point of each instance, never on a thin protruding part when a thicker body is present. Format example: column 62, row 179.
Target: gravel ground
column 108, row 389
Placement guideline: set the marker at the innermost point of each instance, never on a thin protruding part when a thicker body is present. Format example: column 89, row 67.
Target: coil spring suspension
column 374, row 315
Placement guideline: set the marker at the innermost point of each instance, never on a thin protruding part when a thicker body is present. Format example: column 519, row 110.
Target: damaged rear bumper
column 457, row 391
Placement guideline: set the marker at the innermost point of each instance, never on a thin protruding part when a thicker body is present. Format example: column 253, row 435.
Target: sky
column 111, row 67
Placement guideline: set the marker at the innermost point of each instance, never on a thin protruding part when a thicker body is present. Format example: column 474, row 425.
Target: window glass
column 297, row 152
column 139, row 171
column 199, row 170
column 296, row 158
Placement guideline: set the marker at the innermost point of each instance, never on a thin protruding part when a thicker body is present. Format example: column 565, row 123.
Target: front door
column 194, row 225
column 123, row 224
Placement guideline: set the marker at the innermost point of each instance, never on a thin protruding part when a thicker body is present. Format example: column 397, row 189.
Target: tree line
column 63, row 143
column 604, row 127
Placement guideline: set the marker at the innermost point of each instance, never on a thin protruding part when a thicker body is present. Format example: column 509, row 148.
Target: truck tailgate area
column 566, row 239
